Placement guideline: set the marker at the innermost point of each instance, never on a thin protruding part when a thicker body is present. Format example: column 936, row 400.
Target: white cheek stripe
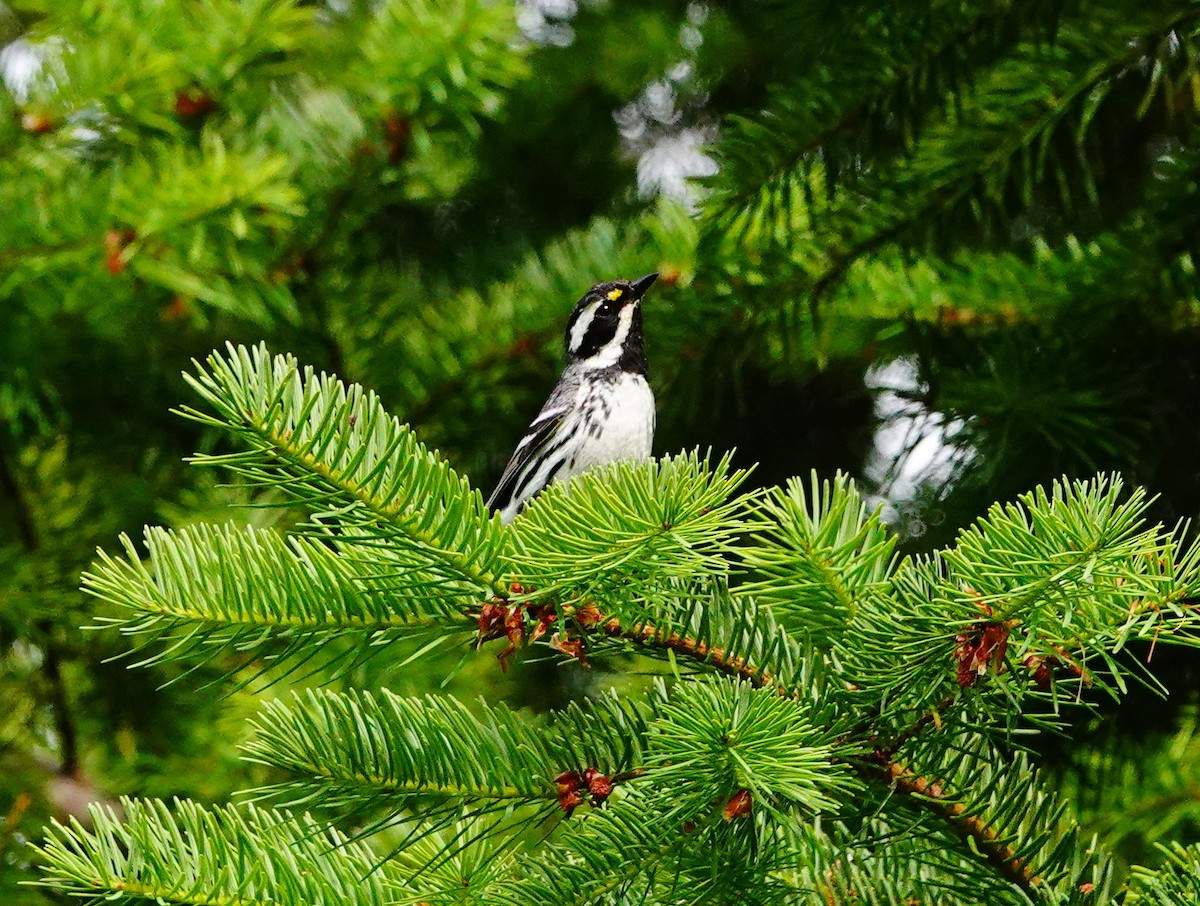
column 623, row 327
column 580, row 327
column 610, row 353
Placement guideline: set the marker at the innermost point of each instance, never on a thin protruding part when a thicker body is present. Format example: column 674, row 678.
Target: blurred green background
column 948, row 248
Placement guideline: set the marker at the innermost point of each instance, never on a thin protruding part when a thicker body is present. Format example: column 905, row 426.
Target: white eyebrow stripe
column 580, row 328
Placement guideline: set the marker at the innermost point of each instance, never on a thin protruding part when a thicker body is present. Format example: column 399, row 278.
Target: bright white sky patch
column 666, row 166
column 19, row 63
column 914, row 446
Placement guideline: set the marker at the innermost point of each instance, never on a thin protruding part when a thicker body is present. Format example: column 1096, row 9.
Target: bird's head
column 606, row 326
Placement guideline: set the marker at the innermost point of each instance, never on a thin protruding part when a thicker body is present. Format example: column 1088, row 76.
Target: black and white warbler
column 602, row 409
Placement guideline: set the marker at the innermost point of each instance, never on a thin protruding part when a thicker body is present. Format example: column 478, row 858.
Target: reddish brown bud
column 515, row 633
column 1042, row 669
column 491, row 622
column 598, row 785
column 570, row 801
column 397, row 130
column 739, row 804
column 36, row 123
column 569, row 787
column 543, row 615
column 1041, row 676
column 194, row 103
column 568, row 780
column 498, row 621
column 179, row 309
column 588, row 616
column 115, row 243
column 569, row 647
column 979, row 650
column 963, row 658
column 993, row 645
column 514, row 627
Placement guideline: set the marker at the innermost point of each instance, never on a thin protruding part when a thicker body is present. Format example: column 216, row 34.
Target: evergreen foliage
column 904, row 708
column 180, row 852
column 997, row 200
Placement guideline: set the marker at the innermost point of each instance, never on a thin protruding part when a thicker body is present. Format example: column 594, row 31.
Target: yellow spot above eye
column 616, row 294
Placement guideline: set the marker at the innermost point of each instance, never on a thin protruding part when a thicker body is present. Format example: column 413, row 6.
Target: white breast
column 621, row 423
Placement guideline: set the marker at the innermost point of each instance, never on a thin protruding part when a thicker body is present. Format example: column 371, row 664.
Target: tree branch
column 930, row 796
column 26, row 526
column 10, row 256
column 279, row 443
column 925, row 793
column 60, row 704
column 650, row 636
column 842, row 254
column 874, row 99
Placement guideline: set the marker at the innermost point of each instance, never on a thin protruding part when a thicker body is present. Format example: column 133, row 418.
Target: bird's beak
column 640, row 286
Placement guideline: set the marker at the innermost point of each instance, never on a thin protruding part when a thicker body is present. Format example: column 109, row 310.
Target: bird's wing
column 540, row 441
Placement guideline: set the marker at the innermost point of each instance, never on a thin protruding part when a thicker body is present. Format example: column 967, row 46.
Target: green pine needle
column 335, row 449
column 154, row 852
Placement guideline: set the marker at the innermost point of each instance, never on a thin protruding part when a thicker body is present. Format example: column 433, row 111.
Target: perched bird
column 602, row 409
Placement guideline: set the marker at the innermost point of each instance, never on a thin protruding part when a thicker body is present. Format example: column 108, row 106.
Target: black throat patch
column 633, row 352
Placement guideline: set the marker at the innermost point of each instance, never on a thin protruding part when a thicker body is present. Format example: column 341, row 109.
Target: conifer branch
column 1015, row 109
column 824, row 551
column 187, row 854
column 925, row 792
column 362, row 751
column 1176, row 881
column 204, row 590
column 1125, row 47
column 631, row 531
column 611, row 852
column 281, row 445
column 647, row 636
column 881, row 81
column 10, row 256
column 708, row 626
column 928, row 795
column 323, row 443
